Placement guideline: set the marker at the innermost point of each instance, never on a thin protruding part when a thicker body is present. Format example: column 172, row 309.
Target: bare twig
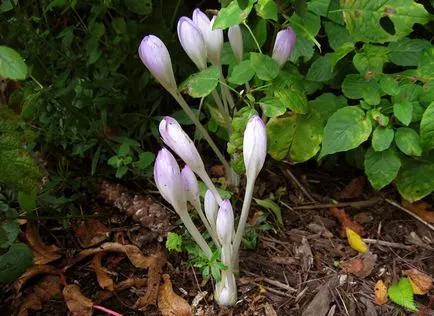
column 298, row 183
column 386, row 243
column 272, row 282
column 393, row 203
column 356, row 204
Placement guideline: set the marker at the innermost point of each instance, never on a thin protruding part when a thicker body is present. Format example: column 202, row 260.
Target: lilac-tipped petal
column 211, row 208
column 174, row 136
column 213, row 38
column 156, row 57
column 236, row 40
column 225, row 222
column 192, row 41
column 201, row 20
column 168, row 179
column 191, row 187
column 254, row 146
column 284, row 44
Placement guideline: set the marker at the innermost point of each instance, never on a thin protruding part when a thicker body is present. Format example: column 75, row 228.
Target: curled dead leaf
column 104, row 280
column 42, row 253
column 91, row 232
column 31, row 272
column 380, row 293
column 420, row 208
column 170, row 303
column 360, row 266
column 353, row 189
column 346, row 221
column 420, row 281
column 78, row 304
column 123, row 285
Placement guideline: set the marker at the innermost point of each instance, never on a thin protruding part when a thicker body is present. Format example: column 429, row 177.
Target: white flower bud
column 236, row 41
column 254, row 146
column 191, row 187
column 192, row 41
column 225, row 222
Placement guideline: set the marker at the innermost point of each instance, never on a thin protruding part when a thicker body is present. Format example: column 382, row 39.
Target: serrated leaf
column 426, row 64
column 407, row 140
column 401, row 293
column 346, row 129
column 266, row 67
column 288, row 88
column 303, row 48
column 272, row 106
column 415, row 180
column 337, row 35
column 231, row 15
column 407, row 51
column 403, row 112
column 15, row 262
column 356, row 87
column 356, row 242
column 242, row 73
column 174, row 242
column 382, row 137
column 327, row 104
column 272, row 206
column 307, row 26
column 362, row 18
column 12, row 65
column 9, row 232
column 427, row 128
column 389, row 85
column 201, row 84
column 381, row 167
column 267, row 9
column 371, row 58
column 319, row 7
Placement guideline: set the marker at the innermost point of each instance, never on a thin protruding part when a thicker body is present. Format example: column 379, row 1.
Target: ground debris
column 421, row 282
column 104, row 280
column 320, row 304
column 352, row 190
column 421, row 209
column 91, row 232
column 77, row 303
column 361, row 266
column 346, row 221
column 170, row 303
column 42, row 254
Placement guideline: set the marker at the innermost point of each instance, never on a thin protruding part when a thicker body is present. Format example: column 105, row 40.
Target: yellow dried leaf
column 416, row 290
column 356, row 241
column 380, row 293
column 420, row 282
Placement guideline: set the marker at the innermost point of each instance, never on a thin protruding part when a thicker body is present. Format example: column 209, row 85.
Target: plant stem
column 194, row 232
column 208, row 227
column 223, row 111
column 253, row 36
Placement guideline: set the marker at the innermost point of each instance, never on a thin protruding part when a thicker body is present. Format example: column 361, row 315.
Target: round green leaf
column 12, row 65
column 408, row 142
column 403, row 112
column 288, row 88
column 389, row 85
column 280, row 132
column 266, row 67
column 242, row 73
column 272, row 106
column 407, row 51
column 231, row 15
column 9, row 233
column 382, row 137
column 381, row 167
column 346, row 129
column 201, row 84
column 15, row 262
column 267, row 9
column 327, row 104
column 415, row 180
column 427, row 128
column 141, row 7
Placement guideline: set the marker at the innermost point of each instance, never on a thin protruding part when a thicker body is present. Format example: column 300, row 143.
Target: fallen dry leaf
column 356, row 242
column 353, row 189
column 91, row 232
column 380, row 293
column 420, row 281
column 170, row 303
column 123, row 285
column 157, row 262
column 77, row 303
column 360, row 266
column 346, row 221
column 320, row 304
column 132, row 252
column 104, row 281
column 42, row 253
column 33, row 271
column 49, row 286
column 269, row 310
column 420, row 208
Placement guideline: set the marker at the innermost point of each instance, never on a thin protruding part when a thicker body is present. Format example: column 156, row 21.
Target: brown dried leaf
column 33, row 271
column 380, row 293
column 44, row 290
column 346, row 221
column 126, row 284
column 420, row 208
column 360, row 266
column 217, row 171
column 132, row 252
column 353, row 189
column 170, row 303
column 157, row 262
column 269, row 310
column 420, row 281
column 77, row 303
column 102, row 276
column 320, row 304
column 42, row 253
column 91, row 232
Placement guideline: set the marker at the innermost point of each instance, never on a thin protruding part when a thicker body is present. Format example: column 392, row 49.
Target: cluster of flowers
column 179, row 187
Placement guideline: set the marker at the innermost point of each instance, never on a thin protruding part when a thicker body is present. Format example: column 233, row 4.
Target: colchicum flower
column 192, row 41
column 155, row 56
column 168, row 180
column 284, row 44
column 225, row 223
column 213, row 38
column 211, row 208
column 191, row 187
column 236, row 41
column 254, row 146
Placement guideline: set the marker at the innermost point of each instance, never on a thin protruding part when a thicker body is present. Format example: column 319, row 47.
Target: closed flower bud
column 168, row 179
column 211, row 208
column 156, row 58
column 283, row 46
column 225, row 222
column 174, row 136
column 236, row 41
column 254, row 146
column 192, row 41
column 191, row 187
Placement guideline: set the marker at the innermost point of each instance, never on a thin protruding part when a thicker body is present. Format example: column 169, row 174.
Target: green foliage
column 12, row 65
column 401, row 293
column 201, row 84
column 15, row 262
column 174, row 242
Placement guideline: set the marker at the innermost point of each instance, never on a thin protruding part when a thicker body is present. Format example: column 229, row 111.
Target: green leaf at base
column 401, row 293
column 381, row 167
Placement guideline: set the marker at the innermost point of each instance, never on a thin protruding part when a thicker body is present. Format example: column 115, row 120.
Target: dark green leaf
column 407, row 51
column 140, row 7
column 408, row 141
column 266, row 67
column 389, row 85
column 382, row 137
column 9, row 232
column 403, row 112
column 381, row 167
column 371, row 58
column 242, row 73
column 27, row 201
column 337, row 35
column 327, row 104
column 272, row 206
column 426, row 64
column 427, row 128
column 267, row 9
column 288, row 88
column 415, row 180
column 201, row 84
column 272, row 106
column 15, row 262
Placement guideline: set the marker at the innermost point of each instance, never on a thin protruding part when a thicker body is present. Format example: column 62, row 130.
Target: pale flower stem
column 194, row 232
column 208, row 227
column 225, row 91
column 243, row 219
column 210, row 185
column 222, row 110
